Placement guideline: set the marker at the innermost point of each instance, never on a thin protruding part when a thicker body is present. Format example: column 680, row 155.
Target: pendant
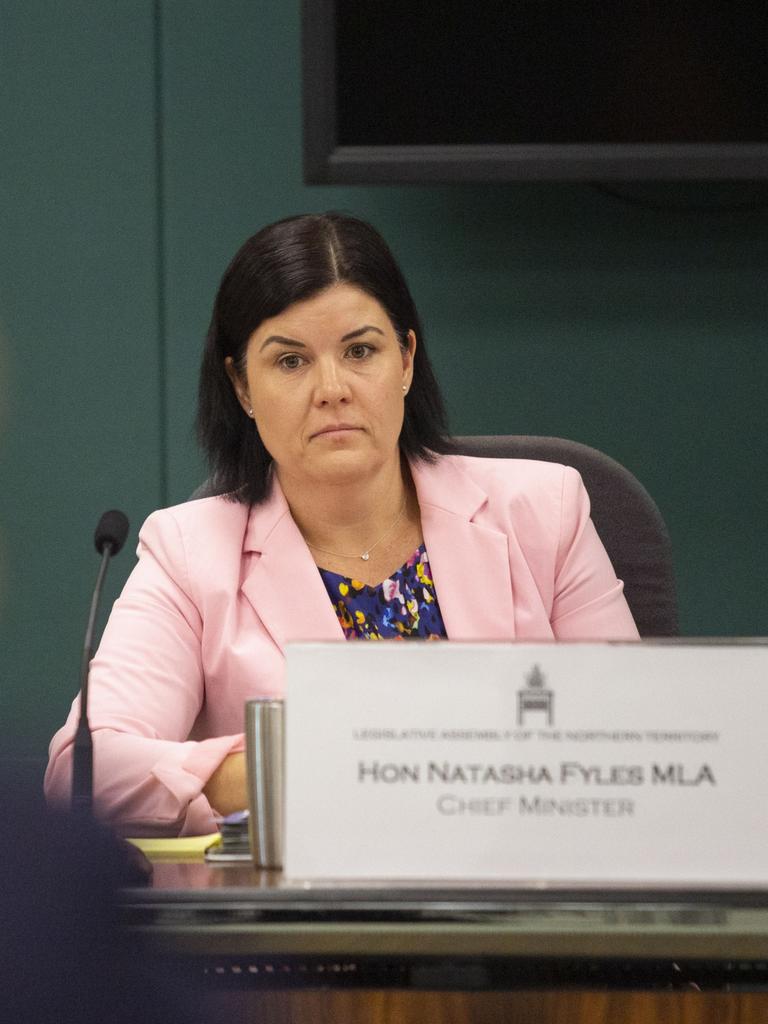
column 365, row 556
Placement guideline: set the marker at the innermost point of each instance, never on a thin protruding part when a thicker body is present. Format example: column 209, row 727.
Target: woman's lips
column 335, row 431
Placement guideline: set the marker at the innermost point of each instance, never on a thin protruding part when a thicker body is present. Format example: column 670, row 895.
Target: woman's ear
column 408, row 350
column 241, row 391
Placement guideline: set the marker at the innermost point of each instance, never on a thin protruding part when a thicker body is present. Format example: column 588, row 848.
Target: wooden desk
column 274, row 951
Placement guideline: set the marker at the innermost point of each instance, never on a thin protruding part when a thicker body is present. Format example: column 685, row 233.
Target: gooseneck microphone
column 109, row 538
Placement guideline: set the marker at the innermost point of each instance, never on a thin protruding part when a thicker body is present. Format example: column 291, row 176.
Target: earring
column 405, row 388
column 250, row 413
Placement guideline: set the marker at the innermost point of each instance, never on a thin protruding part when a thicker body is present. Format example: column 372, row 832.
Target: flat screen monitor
column 506, row 90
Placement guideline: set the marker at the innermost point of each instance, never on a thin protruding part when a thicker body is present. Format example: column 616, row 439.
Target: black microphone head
column 112, row 530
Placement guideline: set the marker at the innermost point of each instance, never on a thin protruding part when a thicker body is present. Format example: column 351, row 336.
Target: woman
column 343, row 514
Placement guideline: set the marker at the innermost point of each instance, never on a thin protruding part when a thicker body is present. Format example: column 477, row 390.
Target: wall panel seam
column 161, row 253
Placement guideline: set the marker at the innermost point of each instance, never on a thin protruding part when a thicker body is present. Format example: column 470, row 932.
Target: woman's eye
column 359, row 351
column 290, row 361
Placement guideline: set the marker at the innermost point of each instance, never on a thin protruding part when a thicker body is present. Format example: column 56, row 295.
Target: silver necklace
column 365, row 555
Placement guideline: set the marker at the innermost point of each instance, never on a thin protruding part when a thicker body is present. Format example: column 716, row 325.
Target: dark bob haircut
column 287, row 262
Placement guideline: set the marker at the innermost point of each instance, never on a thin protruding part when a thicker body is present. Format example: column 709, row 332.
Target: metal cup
column 264, row 766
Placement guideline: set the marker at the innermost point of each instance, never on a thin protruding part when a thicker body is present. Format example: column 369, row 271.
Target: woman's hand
column 226, row 789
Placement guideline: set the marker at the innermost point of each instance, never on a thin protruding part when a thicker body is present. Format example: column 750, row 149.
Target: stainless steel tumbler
column 264, row 765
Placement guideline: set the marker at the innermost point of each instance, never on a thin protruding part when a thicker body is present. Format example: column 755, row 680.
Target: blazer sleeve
column 589, row 601
column 145, row 691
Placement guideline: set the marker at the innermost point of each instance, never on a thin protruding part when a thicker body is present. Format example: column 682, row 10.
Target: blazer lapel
column 469, row 562
column 282, row 582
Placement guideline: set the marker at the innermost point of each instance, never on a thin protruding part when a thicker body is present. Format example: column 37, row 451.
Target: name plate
column 621, row 763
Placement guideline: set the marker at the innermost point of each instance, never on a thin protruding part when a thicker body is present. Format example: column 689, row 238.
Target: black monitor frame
column 326, row 162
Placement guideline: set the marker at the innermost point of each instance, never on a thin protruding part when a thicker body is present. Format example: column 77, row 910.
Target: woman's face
column 325, row 380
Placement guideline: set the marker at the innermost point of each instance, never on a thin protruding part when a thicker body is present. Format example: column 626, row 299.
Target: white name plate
column 625, row 763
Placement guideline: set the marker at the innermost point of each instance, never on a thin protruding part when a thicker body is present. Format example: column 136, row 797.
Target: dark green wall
column 79, row 355
column 143, row 142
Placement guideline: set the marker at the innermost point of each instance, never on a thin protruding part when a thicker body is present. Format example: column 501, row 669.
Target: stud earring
column 250, row 413
column 405, row 388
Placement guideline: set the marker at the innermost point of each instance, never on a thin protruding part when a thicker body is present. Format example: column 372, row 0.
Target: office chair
column 625, row 516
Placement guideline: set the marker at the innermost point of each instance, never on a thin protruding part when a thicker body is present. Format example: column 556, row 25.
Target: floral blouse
column 405, row 605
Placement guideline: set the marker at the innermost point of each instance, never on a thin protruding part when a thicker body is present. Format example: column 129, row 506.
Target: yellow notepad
column 182, row 848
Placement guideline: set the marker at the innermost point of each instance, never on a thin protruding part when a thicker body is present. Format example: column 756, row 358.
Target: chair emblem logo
column 534, row 697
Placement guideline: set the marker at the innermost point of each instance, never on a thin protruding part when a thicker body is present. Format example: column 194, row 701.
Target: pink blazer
column 219, row 589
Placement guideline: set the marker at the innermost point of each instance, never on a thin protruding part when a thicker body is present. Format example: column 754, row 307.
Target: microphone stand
column 82, row 752
column 136, row 869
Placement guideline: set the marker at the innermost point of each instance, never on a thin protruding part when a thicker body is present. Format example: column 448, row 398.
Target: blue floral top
column 402, row 606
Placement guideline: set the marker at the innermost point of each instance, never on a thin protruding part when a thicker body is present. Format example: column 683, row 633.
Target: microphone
column 109, row 538
column 112, row 529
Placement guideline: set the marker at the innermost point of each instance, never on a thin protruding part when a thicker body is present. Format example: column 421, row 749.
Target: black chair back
column 625, row 516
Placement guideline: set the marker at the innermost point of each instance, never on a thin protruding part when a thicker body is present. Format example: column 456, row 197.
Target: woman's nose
column 330, row 384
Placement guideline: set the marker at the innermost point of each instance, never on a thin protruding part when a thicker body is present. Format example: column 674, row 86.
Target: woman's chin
column 343, row 467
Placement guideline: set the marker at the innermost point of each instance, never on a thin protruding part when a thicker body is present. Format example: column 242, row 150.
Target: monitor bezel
column 328, row 163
